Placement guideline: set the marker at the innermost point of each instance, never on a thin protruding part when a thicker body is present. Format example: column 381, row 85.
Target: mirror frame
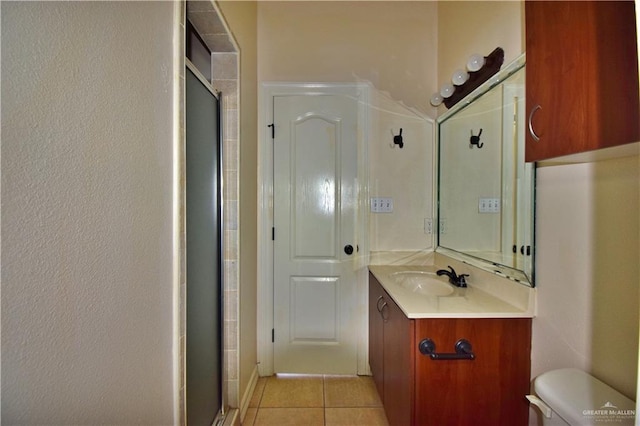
column 485, row 264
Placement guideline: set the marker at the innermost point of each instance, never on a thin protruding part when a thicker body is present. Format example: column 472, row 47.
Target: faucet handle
column 462, row 282
column 453, row 272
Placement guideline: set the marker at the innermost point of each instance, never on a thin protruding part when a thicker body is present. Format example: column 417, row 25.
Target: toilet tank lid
column 581, row 399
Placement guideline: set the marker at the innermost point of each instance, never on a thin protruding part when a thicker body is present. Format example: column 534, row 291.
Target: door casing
column 265, row 211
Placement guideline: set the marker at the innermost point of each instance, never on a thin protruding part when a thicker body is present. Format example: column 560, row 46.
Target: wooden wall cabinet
column 417, row 390
column 581, row 78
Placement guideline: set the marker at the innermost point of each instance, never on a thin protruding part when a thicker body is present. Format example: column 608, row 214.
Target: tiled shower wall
column 225, row 80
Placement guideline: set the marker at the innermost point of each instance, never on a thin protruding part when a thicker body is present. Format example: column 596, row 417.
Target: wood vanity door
column 489, row 390
column 376, row 335
column 398, row 365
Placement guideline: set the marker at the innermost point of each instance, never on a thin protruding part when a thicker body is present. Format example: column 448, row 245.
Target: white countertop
column 483, row 300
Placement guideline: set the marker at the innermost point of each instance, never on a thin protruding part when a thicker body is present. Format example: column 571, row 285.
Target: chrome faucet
column 455, row 279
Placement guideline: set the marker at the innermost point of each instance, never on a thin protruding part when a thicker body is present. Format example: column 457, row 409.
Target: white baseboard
column 248, row 393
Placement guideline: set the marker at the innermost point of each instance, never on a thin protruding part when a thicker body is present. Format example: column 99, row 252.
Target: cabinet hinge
column 273, row 335
column 273, row 130
column 273, row 234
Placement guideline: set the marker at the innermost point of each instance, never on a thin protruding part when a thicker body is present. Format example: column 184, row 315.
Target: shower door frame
column 221, row 379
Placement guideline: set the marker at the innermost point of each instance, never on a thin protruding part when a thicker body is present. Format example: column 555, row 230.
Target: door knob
column 348, row 249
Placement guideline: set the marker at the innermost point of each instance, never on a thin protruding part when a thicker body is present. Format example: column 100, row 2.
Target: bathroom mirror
column 485, row 188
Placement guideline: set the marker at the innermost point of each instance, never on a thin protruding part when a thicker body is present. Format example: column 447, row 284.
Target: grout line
column 324, row 391
column 324, row 400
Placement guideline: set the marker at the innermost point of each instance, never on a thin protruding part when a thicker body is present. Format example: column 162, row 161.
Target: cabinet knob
column 531, row 131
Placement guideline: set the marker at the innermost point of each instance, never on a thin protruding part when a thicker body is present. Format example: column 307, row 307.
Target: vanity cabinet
column 582, row 77
column 390, row 356
column 417, row 390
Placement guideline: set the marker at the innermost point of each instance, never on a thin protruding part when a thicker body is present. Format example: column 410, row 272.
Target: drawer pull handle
column 463, row 350
column 381, row 310
column 378, row 303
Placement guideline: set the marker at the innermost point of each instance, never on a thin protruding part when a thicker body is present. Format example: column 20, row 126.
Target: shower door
column 203, row 283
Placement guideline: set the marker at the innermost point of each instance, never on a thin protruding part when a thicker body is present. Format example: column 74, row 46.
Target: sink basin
column 424, row 283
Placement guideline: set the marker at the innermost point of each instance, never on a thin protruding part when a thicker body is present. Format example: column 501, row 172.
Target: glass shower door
column 204, row 282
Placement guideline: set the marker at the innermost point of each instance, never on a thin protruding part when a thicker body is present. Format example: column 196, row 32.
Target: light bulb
column 436, row 99
column 446, row 90
column 459, row 77
column 475, row 62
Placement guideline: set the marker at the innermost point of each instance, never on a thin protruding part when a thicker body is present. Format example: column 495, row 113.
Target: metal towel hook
column 475, row 140
column 397, row 139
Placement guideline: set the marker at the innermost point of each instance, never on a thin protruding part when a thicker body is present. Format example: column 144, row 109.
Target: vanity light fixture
column 436, row 99
column 447, row 90
column 475, row 62
column 459, row 77
column 480, row 69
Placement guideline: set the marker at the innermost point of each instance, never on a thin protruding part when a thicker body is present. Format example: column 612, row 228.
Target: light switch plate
column 381, row 205
column 489, row 205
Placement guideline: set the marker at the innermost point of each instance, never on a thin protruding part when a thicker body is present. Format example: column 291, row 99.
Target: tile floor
column 315, row 400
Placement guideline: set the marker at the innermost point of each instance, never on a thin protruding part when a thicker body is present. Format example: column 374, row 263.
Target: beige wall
column 587, row 270
column 390, row 44
column 242, row 20
column 87, row 231
column 404, row 174
column 87, row 187
column 467, row 27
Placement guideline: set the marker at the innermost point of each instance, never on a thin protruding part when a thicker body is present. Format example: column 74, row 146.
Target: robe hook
column 397, row 139
column 475, row 140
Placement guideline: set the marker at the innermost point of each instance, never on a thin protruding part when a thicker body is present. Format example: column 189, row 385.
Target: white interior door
column 315, row 200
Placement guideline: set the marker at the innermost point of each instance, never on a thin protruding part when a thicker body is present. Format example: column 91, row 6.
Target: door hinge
column 273, row 234
column 273, row 130
column 273, row 335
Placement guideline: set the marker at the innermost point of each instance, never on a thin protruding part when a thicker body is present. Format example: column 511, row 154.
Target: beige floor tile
column 350, row 391
column 250, row 416
column 290, row 417
column 293, row 391
column 355, row 417
column 257, row 393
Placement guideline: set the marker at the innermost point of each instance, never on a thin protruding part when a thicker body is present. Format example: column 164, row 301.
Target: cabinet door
column 398, row 365
column 376, row 344
column 582, row 76
column 488, row 390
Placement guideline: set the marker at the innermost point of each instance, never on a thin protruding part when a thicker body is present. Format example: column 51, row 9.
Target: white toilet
column 572, row 397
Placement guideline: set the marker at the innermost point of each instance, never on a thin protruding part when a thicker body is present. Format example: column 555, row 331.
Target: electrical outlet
column 428, row 226
column 442, row 226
